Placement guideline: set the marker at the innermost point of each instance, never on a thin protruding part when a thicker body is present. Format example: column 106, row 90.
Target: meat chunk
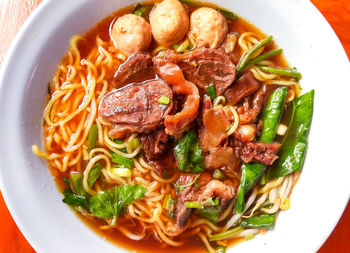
column 131, row 34
column 154, row 143
column 176, row 124
column 207, row 188
column 206, row 66
column 135, row 107
column 260, row 152
column 222, row 158
column 134, row 64
column 208, row 26
column 243, row 87
column 214, row 129
column 249, row 114
column 245, row 133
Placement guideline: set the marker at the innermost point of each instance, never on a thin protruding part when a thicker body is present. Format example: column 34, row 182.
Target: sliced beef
column 206, row 188
column 214, row 129
column 222, row 158
column 206, row 66
column 154, row 143
column 243, row 87
column 260, row 152
column 249, row 113
column 176, row 124
column 138, row 62
column 135, row 107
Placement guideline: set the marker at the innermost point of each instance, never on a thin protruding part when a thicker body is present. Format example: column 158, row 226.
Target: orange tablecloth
column 14, row 13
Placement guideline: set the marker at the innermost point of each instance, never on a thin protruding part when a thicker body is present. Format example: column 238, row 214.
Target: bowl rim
column 5, row 68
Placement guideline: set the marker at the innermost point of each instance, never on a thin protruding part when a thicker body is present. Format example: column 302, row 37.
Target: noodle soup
column 164, row 138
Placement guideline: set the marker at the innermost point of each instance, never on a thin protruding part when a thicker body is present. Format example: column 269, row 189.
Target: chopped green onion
column 123, row 161
column 193, row 204
column 122, row 172
column 262, row 220
column 92, row 138
column 134, row 143
column 211, row 90
column 242, row 64
column 249, row 237
column 213, row 202
column 175, row 46
column 292, row 72
column 188, row 2
column 164, row 100
column 114, row 220
column 180, row 188
column 228, row 14
column 94, row 174
column 264, row 57
column 140, row 10
column 226, row 234
column 77, row 182
column 218, row 174
column 167, row 202
column 221, row 249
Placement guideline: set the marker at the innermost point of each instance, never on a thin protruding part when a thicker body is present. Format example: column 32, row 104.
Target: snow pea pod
column 259, row 221
column 294, row 144
column 251, row 172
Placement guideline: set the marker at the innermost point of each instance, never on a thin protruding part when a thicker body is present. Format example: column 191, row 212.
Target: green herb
column 168, row 202
column 123, row 161
column 140, row 10
column 259, row 221
column 212, row 202
column 113, row 202
column 292, row 72
column 188, row 153
column 180, row 188
column 76, row 179
column 211, row 90
column 92, row 138
column 119, row 141
column 242, row 64
column 193, row 204
column 264, row 57
column 228, row 14
column 94, row 174
column 74, row 199
column 164, row 100
column 226, row 234
column 211, row 213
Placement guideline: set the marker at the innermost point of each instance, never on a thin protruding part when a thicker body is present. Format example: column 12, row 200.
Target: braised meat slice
column 135, row 108
column 214, row 129
column 206, row 66
column 222, row 158
column 249, row 113
column 154, row 143
column 135, row 63
column 260, row 152
column 204, row 188
column 176, row 124
column 243, row 87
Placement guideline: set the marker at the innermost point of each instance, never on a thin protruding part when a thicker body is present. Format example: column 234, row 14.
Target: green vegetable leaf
column 221, row 249
column 140, row 10
column 211, row 90
column 76, row 179
column 92, row 138
column 228, row 14
column 94, row 174
column 113, row 202
column 123, row 161
column 188, row 153
column 259, row 221
column 209, row 212
column 73, row 199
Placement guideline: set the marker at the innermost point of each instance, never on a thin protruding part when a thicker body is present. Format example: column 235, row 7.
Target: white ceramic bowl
column 308, row 42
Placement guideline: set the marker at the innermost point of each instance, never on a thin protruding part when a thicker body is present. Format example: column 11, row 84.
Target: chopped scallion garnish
column 211, row 91
column 122, row 172
column 164, row 100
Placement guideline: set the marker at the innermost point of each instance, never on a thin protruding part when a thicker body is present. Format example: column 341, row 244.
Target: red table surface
column 15, row 12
